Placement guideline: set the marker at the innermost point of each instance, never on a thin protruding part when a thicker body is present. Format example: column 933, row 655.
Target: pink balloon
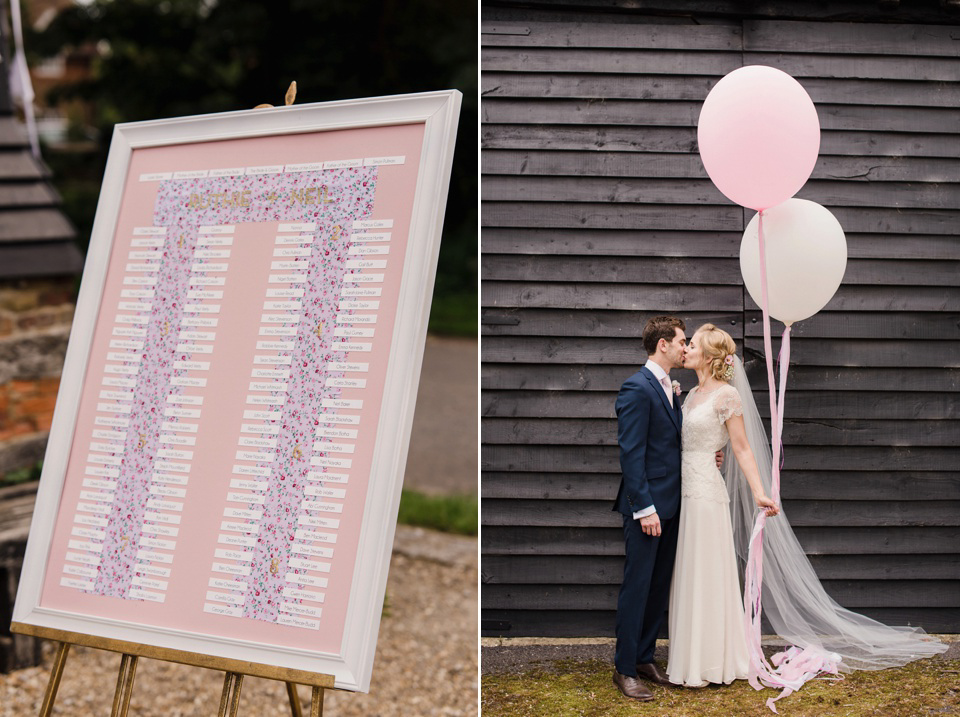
column 759, row 136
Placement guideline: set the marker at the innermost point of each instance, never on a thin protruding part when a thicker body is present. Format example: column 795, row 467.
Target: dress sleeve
column 728, row 404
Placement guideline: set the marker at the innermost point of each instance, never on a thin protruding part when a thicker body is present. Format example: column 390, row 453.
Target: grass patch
column 22, row 475
column 454, row 315
column 926, row 687
column 449, row 513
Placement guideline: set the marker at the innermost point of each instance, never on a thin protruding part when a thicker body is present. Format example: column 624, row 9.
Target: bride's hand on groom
column 771, row 508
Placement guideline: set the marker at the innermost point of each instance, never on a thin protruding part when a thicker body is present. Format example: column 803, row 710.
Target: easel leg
column 230, row 699
column 295, row 709
column 121, row 698
column 316, row 702
column 53, row 684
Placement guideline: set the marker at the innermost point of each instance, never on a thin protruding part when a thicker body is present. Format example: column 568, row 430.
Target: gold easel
column 232, row 683
column 235, row 669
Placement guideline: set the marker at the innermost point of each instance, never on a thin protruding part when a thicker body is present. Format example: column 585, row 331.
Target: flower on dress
column 676, row 388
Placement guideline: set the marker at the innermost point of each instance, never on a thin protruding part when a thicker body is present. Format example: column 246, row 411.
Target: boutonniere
column 676, row 388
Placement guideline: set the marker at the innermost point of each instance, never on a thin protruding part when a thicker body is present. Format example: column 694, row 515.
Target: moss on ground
column 926, row 687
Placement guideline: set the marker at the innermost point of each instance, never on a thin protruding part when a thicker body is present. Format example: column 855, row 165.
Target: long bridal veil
column 794, row 601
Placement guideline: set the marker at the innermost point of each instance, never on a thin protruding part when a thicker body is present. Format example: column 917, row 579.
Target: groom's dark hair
column 660, row 327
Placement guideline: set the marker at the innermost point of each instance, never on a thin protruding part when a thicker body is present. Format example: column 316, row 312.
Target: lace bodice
column 704, row 433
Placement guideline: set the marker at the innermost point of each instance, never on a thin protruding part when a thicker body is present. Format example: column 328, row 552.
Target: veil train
column 794, row 602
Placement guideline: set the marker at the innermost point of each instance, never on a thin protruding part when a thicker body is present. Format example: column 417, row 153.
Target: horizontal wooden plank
column 19, row 165
column 834, row 38
column 849, row 593
column 605, row 459
column 864, row 297
column 802, row 66
column 547, row 623
column 608, row 570
column 863, row 171
column 623, row 138
column 592, row 138
column 711, row 63
column 801, row 513
column 859, row 432
column 600, row 189
column 701, row 270
column 653, row 270
column 588, row 112
column 569, row 322
column 40, row 259
column 13, row 133
column 636, row 36
column 34, row 225
column 610, row 216
column 682, row 113
column 817, row 432
column 694, row 11
column 837, row 404
column 27, row 194
column 795, row 485
column 600, row 623
column 579, row 85
column 658, row 298
column 612, row 242
column 566, row 540
column 575, row 85
column 809, row 352
column 866, row 324
column 620, row 190
column 662, row 165
column 591, row 377
column 866, row 352
column 717, row 218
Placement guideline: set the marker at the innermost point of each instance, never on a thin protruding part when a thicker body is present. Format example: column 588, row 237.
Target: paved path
column 443, row 444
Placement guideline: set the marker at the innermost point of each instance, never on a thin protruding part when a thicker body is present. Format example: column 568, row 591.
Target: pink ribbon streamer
column 793, row 667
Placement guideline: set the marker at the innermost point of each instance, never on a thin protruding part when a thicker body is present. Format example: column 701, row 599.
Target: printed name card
column 222, row 468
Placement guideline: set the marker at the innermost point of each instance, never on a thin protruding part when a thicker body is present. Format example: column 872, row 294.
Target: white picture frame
column 351, row 663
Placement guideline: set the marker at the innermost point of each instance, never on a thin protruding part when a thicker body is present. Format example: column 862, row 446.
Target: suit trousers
column 645, row 591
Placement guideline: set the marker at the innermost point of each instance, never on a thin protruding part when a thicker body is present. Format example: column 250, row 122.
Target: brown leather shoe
column 650, row 671
column 632, row 687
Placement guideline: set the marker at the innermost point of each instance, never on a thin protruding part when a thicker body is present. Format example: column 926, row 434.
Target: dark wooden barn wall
column 598, row 214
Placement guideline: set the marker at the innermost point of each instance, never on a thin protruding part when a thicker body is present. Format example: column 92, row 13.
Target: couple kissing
column 681, row 557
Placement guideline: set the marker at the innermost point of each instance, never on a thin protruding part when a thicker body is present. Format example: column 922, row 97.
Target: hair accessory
column 728, row 371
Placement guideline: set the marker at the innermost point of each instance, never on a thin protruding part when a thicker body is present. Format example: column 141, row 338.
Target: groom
column 648, row 430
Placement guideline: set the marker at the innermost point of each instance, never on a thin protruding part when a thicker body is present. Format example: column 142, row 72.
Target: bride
column 706, row 621
column 707, row 638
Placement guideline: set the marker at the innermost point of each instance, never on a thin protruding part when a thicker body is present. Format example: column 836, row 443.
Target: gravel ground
column 426, row 662
column 443, row 442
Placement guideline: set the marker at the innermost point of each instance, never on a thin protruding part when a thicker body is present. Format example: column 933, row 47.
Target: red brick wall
column 35, row 318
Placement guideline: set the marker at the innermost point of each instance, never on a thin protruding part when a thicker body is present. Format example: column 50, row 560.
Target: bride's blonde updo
column 716, row 344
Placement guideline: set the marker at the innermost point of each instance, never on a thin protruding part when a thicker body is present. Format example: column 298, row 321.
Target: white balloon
column 806, row 254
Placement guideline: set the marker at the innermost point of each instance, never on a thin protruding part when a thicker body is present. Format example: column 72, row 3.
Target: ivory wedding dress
column 707, row 639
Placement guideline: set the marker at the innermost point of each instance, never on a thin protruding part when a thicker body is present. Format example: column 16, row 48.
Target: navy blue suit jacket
column 648, row 431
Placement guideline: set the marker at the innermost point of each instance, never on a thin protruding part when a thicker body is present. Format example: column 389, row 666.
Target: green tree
column 168, row 58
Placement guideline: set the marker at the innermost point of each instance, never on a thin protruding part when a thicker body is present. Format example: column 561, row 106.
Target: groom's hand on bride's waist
column 719, row 460
column 650, row 525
